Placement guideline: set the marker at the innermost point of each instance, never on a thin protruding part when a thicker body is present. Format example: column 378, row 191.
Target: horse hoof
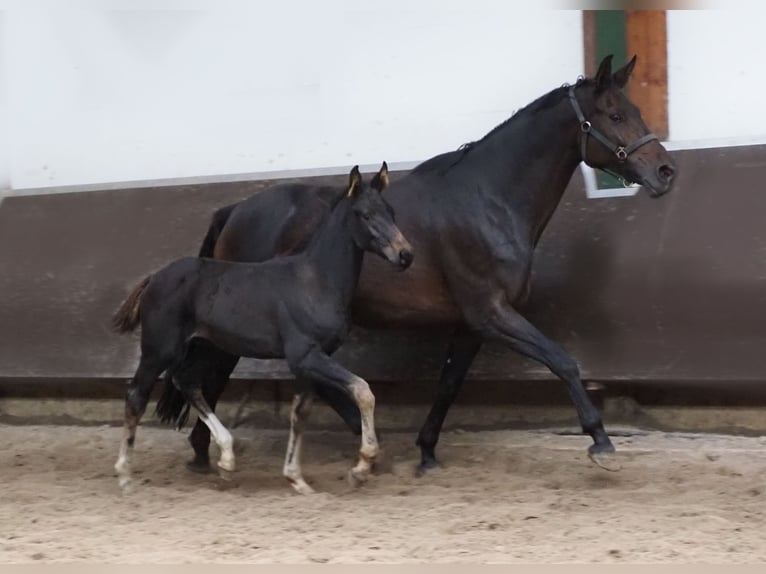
column 126, row 484
column 301, row 487
column 225, row 475
column 426, row 466
column 227, row 464
column 357, row 478
column 606, row 460
column 199, row 466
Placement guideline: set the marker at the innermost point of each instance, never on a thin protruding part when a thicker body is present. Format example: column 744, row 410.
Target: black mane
column 443, row 162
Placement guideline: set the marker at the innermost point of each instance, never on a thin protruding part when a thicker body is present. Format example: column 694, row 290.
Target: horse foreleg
column 319, row 368
column 344, row 406
column 507, row 325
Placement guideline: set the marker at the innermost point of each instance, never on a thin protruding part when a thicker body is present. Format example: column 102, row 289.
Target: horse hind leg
column 207, row 366
column 221, row 434
column 299, row 414
column 136, row 399
column 462, row 350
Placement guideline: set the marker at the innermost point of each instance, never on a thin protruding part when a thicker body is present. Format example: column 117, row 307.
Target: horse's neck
column 528, row 163
column 335, row 255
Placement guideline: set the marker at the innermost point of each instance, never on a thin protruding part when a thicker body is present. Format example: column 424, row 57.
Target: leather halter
column 586, row 129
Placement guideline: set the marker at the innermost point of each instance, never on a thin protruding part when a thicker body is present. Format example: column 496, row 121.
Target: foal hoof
column 225, row 478
column 357, row 478
column 126, row 484
column 301, row 487
column 227, row 463
column 225, row 475
column 605, row 458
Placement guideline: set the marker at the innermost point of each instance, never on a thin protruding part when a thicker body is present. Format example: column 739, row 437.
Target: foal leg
column 316, row 366
column 220, row 433
column 463, row 348
column 340, row 402
column 507, row 325
column 298, row 416
column 136, row 399
column 211, row 368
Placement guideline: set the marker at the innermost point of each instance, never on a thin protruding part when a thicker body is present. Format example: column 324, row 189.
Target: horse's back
column 175, row 277
column 279, row 220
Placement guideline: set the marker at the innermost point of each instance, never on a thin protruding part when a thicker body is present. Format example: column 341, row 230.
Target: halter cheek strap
column 586, row 129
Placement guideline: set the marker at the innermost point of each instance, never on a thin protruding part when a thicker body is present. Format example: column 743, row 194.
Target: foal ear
column 622, row 75
column 354, row 179
column 604, row 75
column 380, row 181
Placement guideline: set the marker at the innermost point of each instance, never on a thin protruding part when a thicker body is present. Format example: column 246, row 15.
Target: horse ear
column 380, row 181
column 622, row 75
column 604, row 75
column 354, row 179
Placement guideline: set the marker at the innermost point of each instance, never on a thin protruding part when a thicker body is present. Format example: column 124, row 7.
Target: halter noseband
column 586, row 128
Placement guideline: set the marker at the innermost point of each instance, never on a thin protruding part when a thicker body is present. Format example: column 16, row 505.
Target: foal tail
column 127, row 317
column 172, row 407
column 217, row 223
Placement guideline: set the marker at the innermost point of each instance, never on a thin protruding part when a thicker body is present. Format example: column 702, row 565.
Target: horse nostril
column 405, row 257
column 666, row 172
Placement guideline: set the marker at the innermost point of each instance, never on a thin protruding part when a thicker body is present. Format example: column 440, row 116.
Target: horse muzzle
column 399, row 253
column 406, row 258
column 659, row 180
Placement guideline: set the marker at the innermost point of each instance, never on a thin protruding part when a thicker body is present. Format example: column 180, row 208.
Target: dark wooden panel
column 636, row 289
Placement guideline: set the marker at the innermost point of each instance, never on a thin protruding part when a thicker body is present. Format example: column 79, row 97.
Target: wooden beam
column 646, row 36
column 589, row 42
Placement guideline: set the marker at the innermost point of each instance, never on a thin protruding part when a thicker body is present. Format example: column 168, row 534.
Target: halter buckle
column 585, row 127
column 621, row 154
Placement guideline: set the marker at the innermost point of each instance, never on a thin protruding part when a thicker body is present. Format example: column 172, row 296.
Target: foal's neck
column 334, row 254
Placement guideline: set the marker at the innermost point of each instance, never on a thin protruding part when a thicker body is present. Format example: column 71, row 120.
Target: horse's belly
column 262, row 345
column 416, row 297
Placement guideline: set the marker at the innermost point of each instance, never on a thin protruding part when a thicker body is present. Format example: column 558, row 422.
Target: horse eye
column 616, row 118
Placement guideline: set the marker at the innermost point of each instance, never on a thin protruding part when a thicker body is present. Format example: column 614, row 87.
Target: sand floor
column 502, row 496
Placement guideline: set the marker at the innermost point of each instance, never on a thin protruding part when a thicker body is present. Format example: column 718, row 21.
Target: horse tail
column 217, row 223
column 127, row 317
column 172, row 407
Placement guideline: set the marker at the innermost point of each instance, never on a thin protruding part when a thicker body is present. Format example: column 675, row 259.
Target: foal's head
column 372, row 226
column 630, row 150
